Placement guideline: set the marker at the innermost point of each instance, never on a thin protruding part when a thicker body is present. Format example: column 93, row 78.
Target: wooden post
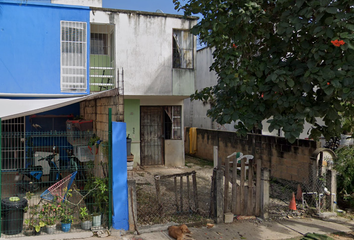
column 219, row 195
column 250, row 189
column 215, row 155
column 242, row 186
column 176, row 196
column 189, row 202
column 212, row 195
column 258, row 188
column 265, row 193
column 158, row 193
column 226, row 183
column 333, row 190
column 195, row 191
column 234, row 187
column 181, row 192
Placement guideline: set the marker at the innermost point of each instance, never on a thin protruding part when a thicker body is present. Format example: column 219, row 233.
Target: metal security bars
column 57, row 181
column 73, row 49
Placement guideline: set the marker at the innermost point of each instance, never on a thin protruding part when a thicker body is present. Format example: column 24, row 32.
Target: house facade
column 53, row 55
column 154, row 56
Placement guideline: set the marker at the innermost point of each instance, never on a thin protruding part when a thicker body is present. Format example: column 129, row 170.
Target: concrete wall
column 132, row 118
column 30, row 46
column 286, row 161
column 143, row 46
column 89, row 3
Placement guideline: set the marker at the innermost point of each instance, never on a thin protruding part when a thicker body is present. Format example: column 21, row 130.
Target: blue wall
column 30, row 46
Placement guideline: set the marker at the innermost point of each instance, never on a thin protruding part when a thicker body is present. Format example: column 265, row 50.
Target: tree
column 288, row 61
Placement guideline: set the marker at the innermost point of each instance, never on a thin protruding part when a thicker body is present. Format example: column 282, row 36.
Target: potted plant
column 49, row 214
column 65, row 212
column 86, row 219
column 99, row 195
column 33, row 223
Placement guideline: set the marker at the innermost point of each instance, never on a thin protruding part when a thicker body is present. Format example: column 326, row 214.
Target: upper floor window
column 183, row 49
column 99, row 43
column 73, row 56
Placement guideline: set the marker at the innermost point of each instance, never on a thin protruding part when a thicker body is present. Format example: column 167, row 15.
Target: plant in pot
column 34, row 222
column 86, row 219
column 65, row 212
column 99, row 195
column 49, row 215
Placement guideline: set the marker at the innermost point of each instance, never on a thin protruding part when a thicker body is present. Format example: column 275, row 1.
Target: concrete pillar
column 265, row 193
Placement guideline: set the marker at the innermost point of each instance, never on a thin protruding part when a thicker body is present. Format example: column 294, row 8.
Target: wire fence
column 177, row 198
column 53, row 182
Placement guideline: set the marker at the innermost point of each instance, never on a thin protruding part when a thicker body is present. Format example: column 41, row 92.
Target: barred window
column 73, row 49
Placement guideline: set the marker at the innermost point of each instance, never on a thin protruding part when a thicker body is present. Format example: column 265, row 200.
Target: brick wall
column 285, row 160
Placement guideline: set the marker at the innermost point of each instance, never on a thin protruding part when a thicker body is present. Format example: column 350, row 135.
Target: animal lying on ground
column 178, row 232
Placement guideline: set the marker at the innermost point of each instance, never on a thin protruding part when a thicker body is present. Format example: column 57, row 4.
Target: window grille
column 13, row 143
column 183, row 44
column 73, row 50
column 173, row 122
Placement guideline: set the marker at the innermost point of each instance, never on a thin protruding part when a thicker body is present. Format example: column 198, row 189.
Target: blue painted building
column 44, row 49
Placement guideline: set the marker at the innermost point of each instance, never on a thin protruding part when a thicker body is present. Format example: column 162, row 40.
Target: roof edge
column 144, row 13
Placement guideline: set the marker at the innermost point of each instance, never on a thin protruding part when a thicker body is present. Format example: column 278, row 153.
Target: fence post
column 0, row 176
column 219, row 196
column 110, row 202
column 265, row 193
column 215, row 155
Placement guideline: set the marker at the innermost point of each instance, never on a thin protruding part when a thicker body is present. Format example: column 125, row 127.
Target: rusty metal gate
column 152, row 136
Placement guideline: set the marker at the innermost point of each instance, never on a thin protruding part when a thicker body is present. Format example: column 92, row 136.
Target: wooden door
column 151, row 138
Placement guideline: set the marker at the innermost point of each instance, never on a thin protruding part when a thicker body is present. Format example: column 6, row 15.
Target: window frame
column 181, row 52
column 73, row 56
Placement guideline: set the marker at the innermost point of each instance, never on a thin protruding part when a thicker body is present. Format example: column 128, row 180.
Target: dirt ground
column 279, row 197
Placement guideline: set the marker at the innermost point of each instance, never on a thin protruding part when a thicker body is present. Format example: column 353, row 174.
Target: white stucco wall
column 143, row 46
column 88, row 3
column 195, row 112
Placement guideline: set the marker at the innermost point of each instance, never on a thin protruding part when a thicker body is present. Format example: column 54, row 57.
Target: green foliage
column 49, row 212
column 84, row 214
column 275, row 60
column 35, row 219
column 345, row 167
column 99, row 193
column 65, row 209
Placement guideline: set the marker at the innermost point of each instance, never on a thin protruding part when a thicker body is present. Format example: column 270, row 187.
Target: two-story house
column 54, row 55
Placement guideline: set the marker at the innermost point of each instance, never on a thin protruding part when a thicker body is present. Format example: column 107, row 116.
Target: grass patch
column 199, row 161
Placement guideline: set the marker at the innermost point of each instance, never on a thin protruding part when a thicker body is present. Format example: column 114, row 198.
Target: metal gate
column 152, row 136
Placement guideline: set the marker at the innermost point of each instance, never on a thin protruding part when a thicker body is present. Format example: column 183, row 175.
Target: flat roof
column 144, row 13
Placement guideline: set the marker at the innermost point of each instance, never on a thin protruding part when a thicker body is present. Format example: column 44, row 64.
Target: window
column 173, row 122
column 73, row 51
column 183, row 42
column 99, row 43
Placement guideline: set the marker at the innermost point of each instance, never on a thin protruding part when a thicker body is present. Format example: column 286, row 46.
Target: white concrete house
column 195, row 111
column 154, row 54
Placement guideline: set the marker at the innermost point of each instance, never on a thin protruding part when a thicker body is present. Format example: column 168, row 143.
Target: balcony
column 102, row 68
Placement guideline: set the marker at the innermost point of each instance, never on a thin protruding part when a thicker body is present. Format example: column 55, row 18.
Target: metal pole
column 110, row 166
